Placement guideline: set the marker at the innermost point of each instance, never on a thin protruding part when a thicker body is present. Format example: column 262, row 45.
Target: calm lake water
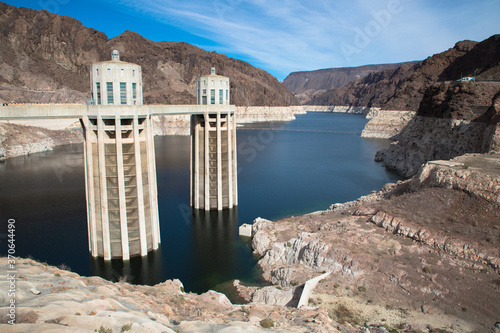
column 284, row 169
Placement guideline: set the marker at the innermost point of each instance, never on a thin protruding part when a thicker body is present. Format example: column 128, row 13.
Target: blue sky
column 293, row 35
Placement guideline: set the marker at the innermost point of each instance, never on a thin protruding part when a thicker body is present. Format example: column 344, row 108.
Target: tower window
column 97, row 72
column 109, row 72
column 109, row 89
column 123, row 72
column 98, row 93
column 123, row 92
column 212, row 96
column 134, row 90
column 133, row 72
column 221, row 96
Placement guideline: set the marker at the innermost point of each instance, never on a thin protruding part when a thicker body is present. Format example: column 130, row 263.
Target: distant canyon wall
column 308, row 84
column 340, row 109
column 18, row 140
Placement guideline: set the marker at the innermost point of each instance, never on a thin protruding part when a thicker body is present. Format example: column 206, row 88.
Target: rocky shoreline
column 386, row 124
column 424, row 246
column 180, row 124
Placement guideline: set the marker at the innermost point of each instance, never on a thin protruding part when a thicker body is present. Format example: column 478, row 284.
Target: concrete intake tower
column 213, row 148
column 122, row 204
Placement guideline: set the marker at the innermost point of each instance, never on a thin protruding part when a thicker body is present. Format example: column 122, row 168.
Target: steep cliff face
column 385, row 124
column 403, row 88
column 46, row 57
column 450, row 122
column 309, row 84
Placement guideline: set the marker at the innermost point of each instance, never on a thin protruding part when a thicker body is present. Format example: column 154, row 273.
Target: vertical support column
column 234, row 162
column 89, row 227
column 89, row 186
column 106, row 241
column 207, row 161
column 121, row 190
column 140, row 192
column 153, row 191
column 229, row 124
column 195, row 164
column 219, row 163
column 192, row 171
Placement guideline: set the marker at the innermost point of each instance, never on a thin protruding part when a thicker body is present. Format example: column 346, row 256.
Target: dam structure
column 119, row 155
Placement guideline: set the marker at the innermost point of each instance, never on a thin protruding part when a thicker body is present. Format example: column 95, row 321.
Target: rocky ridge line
column 403, row 88
column 309, row 84
column 45, row 58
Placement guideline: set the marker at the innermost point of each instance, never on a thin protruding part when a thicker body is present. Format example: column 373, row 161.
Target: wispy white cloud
column 282, row 36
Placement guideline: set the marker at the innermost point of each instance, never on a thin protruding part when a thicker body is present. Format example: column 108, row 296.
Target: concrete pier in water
column 122, row 204
column 213, row 161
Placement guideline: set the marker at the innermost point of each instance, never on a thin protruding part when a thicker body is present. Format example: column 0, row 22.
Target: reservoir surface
column 284, row 169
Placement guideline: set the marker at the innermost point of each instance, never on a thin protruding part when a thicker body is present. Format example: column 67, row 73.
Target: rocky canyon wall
column 450, row 122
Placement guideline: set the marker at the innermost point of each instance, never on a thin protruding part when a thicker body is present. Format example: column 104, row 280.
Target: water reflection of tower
column 146, row 270
column 214, row 235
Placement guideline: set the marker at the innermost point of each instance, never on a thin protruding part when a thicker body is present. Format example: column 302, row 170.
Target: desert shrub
column 267, row 323
column 103, row 329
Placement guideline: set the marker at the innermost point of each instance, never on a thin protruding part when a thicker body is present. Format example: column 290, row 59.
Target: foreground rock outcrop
column 418, row 256
column 49, row 299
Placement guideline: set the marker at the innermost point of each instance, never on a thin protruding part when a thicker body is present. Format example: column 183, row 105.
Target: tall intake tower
column 121, row 189
column 213, row 148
